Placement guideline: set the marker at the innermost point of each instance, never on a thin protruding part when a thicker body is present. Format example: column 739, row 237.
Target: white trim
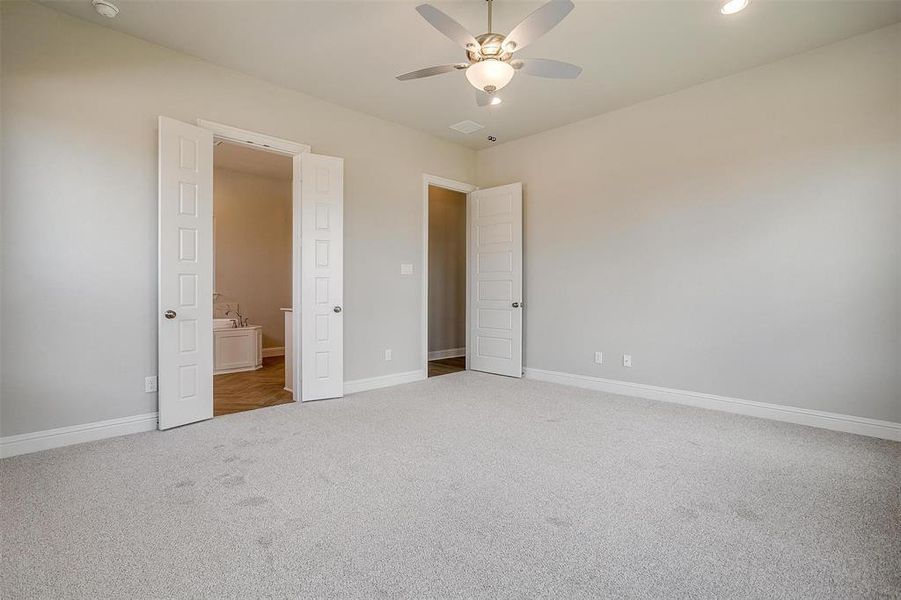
column 776, row 412
column 296, row 275
column 374, row 383
column 252, row 139
column 457, row 186
column 450, row 353
column 274, row 351
column 238, row 370
column 76, row 434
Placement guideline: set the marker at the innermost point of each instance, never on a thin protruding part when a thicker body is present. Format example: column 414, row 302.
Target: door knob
column 516, row 305
column 337, row 309
column 170, row 314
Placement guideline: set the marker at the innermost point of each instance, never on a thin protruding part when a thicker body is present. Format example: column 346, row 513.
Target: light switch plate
column 150, row 384
column 406, row 269
column 627, row 360
column 599, row 358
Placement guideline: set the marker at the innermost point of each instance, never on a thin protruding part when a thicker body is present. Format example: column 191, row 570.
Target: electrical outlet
column 627, row 360
column 150, row 384
column 388, row 354
column 599, row 358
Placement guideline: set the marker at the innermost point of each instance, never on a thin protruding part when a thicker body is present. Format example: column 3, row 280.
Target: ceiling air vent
column 466, row 126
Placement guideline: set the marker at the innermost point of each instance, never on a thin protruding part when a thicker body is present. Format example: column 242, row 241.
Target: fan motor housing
column 489, row 40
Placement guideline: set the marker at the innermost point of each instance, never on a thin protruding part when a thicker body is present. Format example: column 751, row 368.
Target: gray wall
column 252, row 221
column 447, row 269
column 79, row 216
column 740, row 237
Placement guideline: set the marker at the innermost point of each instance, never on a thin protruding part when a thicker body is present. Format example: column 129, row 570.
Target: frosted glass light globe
column 489, row 73
column 733, row 6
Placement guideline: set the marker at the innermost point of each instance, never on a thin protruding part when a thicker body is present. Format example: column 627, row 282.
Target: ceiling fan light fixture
column 495, row 100
column 730, row 7
column 489, row 74
column 491, row 49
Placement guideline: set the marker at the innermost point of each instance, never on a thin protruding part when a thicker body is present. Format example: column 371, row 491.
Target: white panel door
column 322, row 281
column 495, row 280
column 185, row 273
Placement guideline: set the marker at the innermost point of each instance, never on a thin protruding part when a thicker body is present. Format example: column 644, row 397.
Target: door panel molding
column 494, row 275
column 185, row 271
column 322, row 280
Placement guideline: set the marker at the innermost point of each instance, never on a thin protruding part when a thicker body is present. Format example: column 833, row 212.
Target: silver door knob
column 170, row 314
column 337, row 309
column 516, row 305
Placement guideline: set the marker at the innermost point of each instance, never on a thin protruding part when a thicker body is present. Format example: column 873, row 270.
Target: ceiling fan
column 490, row 64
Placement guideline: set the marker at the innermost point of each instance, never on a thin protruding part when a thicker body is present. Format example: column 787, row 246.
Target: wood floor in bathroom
column 237, row 392
column 444, row 366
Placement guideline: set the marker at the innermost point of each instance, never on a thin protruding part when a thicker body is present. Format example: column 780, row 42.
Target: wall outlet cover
column 627, row 360
column 150, row 384
column 388, row 354
column 599, row 358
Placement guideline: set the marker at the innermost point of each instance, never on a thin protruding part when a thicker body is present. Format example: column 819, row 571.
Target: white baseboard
column 76, row 434
column 274, row 351
column 451, row 353
column 802, row 416
column 241, row 370
column 374, row 383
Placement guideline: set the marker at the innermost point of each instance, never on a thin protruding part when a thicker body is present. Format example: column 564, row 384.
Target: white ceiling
column 349, row 52
column 258, row 162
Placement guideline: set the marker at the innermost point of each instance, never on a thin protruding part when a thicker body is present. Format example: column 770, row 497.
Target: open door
column 185, row 273
column 495, row 280
column 322, row 279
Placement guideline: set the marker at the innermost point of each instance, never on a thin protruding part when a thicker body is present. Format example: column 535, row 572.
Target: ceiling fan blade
column 485, row 99
column 537, row 24
column 446, row 25
column 429, row 71
column 545, row 67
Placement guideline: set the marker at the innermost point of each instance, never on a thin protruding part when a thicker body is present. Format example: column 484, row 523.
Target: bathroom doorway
column 252, row 254
column 314, row 349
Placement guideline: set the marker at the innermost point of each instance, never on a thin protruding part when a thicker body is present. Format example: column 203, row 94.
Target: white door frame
column 261, row 141
column 456, row 186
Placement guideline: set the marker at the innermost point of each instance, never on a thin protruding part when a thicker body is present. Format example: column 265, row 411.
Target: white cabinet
column 237, row 349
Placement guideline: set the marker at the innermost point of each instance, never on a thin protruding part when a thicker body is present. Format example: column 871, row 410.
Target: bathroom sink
column 223, row 324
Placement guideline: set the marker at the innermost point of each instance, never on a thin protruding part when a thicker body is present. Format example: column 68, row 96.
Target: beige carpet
column 461, row 486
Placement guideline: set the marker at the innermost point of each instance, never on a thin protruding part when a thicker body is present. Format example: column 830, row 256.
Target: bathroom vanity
column 236, row 349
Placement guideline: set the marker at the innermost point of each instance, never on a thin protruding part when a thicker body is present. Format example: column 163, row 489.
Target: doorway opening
column 185, row 270
column 252, row 277
column 447, row 281
column 445, row 275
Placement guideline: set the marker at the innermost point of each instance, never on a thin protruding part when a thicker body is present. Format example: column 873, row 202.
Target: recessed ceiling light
column 106, row 9
column 733, row 6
